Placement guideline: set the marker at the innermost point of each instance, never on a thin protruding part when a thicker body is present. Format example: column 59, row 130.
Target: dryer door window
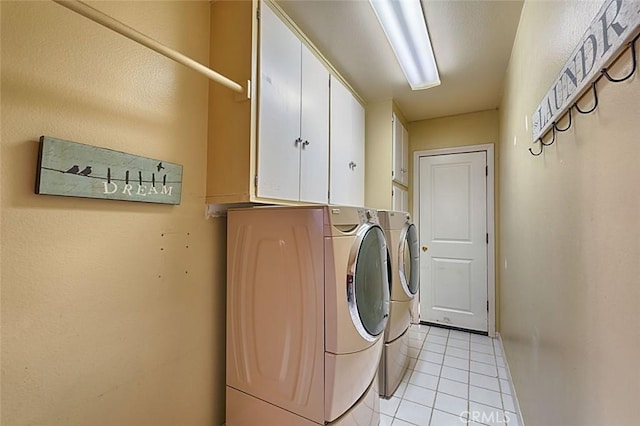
column 409, row 260
column 368, row 282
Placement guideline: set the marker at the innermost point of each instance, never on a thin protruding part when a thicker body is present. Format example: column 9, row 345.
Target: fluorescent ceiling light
column 404, row 24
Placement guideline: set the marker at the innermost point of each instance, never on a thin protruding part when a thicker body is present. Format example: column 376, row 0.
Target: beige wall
column 379, row 153
column 112, row 312
column 570, row 258
column 475, row 128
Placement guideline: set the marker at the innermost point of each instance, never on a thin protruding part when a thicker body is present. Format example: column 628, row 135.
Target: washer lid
column 368, row 282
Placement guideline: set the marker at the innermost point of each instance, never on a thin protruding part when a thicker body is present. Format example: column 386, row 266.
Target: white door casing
column 454, row 213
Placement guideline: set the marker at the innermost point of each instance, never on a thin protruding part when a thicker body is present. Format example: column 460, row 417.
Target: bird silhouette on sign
column 86, row 171
column 73, row 170
column 160, row 166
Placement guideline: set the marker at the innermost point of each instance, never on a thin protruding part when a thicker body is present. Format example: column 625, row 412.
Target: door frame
column 491, row 250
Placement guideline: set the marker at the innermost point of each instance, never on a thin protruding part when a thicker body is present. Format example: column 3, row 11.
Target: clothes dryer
column 402, row 241
column 307, row 306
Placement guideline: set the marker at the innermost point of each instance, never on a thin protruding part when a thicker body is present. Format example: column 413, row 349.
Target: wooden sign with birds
column 77, row 170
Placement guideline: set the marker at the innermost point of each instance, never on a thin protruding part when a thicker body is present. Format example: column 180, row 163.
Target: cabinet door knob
column 297, row 141
column 305, row 143
column 352, row 165
column 425, row 248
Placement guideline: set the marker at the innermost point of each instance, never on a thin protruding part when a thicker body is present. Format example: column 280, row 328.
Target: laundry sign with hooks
column 614, row 30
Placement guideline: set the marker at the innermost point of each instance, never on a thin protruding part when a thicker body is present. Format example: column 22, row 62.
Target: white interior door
column 279, row 109
column 314, row 132
column 453, row 239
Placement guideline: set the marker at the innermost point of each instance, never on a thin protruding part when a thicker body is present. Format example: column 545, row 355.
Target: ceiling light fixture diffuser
column 405, row 27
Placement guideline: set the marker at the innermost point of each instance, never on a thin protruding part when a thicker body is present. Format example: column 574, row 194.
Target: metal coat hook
column 543, row 144
column 595, row 96
column 553, row 139
column 541, row 148
column 605, row 72
column 555, row 124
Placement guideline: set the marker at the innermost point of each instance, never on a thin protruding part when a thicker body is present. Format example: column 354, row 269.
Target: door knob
column 425, row 248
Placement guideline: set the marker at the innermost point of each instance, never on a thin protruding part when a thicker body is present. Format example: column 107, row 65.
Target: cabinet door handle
column 305, row 143
column 352, row 165
column 297, row 141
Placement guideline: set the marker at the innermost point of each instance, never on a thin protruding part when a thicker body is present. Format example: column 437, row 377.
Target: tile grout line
column 435, row 396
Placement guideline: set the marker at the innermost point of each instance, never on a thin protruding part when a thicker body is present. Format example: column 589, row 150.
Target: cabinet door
column 397, row 149
column 400, row 199
column 358, row 138
column 347, row 147
column 400, row 152
column 314, row 132
column 404, row 168
column 279, row 109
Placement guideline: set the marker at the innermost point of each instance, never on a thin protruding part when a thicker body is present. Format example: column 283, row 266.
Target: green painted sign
column 77, row 170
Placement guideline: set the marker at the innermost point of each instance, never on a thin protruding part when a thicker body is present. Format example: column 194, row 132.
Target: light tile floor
column 454, row 378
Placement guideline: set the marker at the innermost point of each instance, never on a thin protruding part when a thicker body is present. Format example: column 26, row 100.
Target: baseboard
column 513, row 389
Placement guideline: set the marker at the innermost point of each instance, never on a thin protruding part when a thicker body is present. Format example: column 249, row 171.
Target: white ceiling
column 471, row 39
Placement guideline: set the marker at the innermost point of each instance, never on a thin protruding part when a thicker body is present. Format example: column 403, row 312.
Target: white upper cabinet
column 347, row 147
column 273, row 145
column 400, row 152
column 293, row 116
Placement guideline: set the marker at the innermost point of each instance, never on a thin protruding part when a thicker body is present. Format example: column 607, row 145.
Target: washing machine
column 307, row 306
column 402, row 241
